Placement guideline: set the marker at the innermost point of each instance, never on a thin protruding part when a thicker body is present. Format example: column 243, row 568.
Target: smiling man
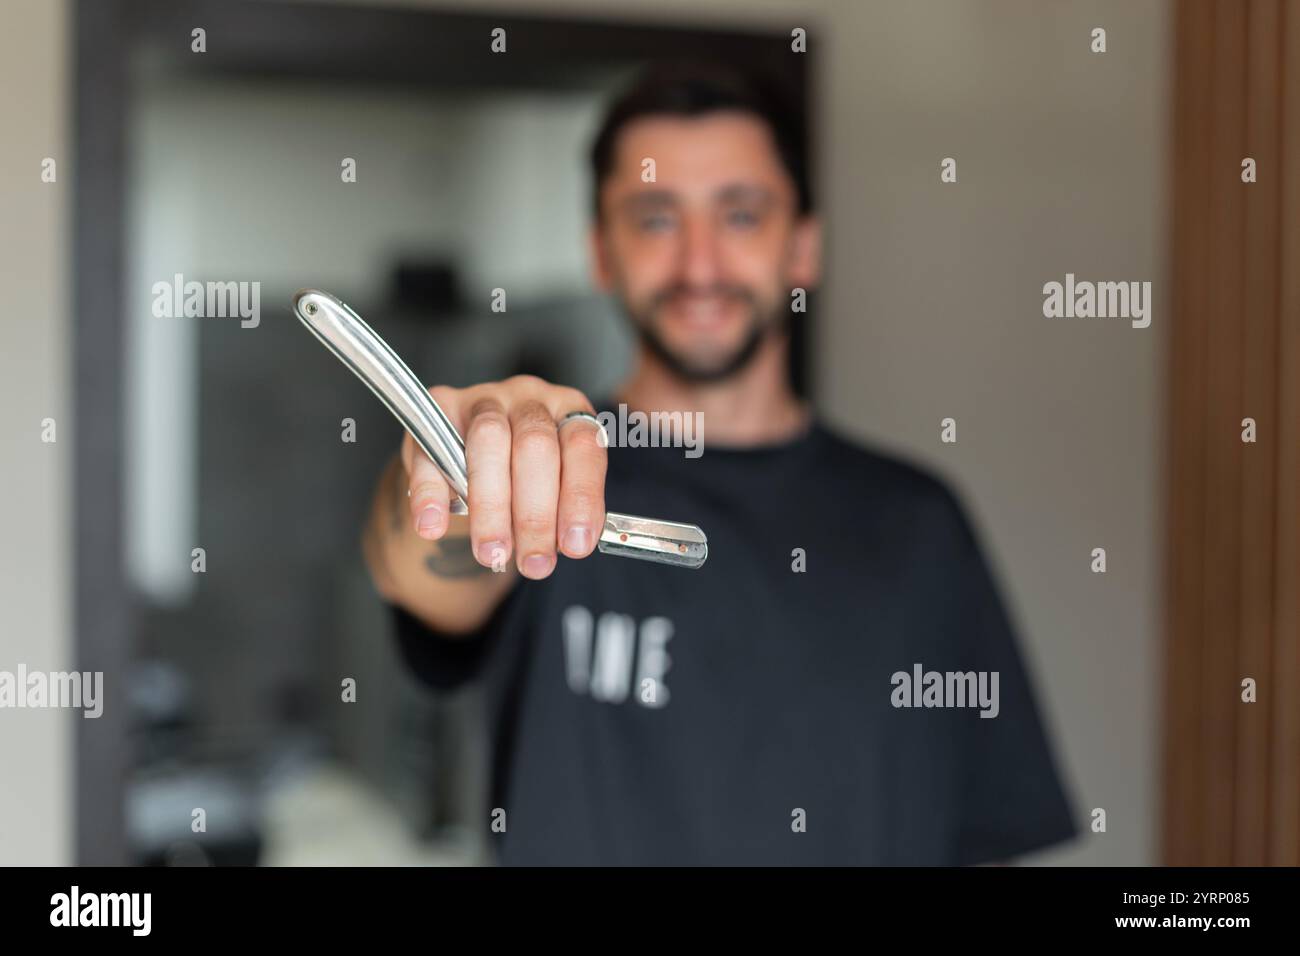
column 742, row 713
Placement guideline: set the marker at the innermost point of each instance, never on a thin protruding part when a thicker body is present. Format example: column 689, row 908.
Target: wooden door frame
column 1232, row 768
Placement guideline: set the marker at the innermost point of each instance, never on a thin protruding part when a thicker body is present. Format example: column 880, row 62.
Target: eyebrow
column 662, row 198
column 649, row 199
column 740, row 192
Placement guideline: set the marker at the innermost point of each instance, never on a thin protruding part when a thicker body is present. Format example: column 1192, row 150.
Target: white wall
column 35, row 557
column 934, row 309
column 195, row 139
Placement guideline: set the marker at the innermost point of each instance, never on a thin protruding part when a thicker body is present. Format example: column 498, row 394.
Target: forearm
column 439, row 582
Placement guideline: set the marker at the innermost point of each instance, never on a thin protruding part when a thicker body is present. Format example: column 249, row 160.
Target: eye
column 742, row 218
column 655, row 222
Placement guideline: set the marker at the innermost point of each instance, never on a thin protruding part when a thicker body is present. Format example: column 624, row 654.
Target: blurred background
column 471, row 175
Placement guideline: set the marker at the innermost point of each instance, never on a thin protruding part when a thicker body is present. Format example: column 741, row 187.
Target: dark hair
column 692, row 89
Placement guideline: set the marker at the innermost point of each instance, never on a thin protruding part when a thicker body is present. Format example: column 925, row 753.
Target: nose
column 699, row 252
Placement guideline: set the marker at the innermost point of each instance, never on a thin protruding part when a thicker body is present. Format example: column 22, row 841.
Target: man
column 785, row 703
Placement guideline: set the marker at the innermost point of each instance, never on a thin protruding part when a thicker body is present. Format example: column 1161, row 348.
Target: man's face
column 703, row 257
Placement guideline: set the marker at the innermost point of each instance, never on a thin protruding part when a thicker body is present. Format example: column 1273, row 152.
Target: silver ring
column 586, row 417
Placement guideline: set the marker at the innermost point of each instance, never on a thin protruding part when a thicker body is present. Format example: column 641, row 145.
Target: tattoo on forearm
column 453, row 558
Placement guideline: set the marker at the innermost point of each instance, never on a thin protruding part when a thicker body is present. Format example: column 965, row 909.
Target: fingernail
column 537, row 565
column 491, row 553
column 577, row 541
column 428, row 520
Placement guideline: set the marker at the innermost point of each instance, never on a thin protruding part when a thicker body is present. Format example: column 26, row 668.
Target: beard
column 764, row 319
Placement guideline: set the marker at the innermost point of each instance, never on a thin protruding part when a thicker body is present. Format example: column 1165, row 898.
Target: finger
column 429, row 496
column 535, row 475
column 487, row 458
column 583, row 461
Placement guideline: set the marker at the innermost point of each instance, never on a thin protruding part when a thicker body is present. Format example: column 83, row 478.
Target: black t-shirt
column 751, row 711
